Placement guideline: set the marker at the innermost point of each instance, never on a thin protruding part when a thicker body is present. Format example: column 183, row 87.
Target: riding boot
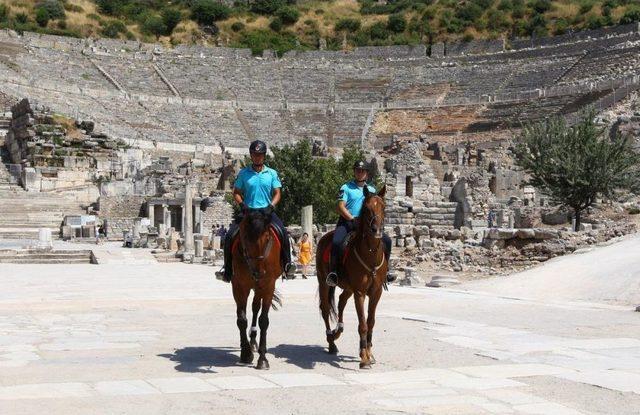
column 391, row 276
column 288, row 267
column 332, row 276
column 227, row 270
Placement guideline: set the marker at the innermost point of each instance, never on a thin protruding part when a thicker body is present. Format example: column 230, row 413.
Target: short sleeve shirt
column 353, row 197
column 257, row 187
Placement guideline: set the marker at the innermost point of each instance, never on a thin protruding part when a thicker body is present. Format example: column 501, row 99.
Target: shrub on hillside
column 42, row 17
column 632, row 15
column 54, row 8
column 540, row 6
column 348, row 24
column 171, row 17
column 237, row 26
column 470, row 12
column 497, row 20
column 22, row 18
column 378, row 31
column 259, row 40
column 205, row 12
column 276, row 24
column 505, row 5
column 113, row 28
column 396, row 23
column 4, row 12
column 266, row 6
column 288, row 15
column 154, row 25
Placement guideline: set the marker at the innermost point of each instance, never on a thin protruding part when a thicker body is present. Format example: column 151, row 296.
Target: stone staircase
column 39, row 256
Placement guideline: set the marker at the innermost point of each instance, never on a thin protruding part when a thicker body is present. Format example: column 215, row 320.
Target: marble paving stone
column 45, row 390
column 510, row 370
column 595, row 344
column 468, row 342
column 548, row 408
column 426, row 401
column 416, row 393
column 401, row 376
column 478, row 384
column 182, row 385
column 611, row 379
column 496, row 408
column 125, row 387
column 288, row 380
column 512, row 397
column 241, row 382
column 97, row 345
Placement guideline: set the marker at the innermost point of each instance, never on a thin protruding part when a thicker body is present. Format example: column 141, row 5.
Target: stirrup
column 290, row 269
column 332, row 279
column 220, row 275
column 391, row 277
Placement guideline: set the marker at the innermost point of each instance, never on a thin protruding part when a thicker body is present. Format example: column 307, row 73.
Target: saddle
column 343, row 252
column 275, row 231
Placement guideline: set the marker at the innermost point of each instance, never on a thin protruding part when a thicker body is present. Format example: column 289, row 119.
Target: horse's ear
column 382, row 191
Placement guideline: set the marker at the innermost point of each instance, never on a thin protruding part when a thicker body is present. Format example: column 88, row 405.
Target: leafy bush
column 540, row 6
column 154, row 25
column 396, row 23
column 632, row 15
column 42, row 17
column 348, row 24
column 259, row 40
column 266, row 6
column 73, row 8
column 276, row 24
column 378, row 30
column 505, row 5
column 288, row 15
column 113, row 28
column 497, row 20
column 470, row 12
column 237, row 26
column 586, row 6
column 171, row 17
column 54, row 8
column 4, row 12
column 22, row 18
column 205, row 12
column 595, row 22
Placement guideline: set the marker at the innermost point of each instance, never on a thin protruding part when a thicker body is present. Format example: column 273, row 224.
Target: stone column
column 198, row 220
column 307, row 221
column 166, row 216
column 151, row 213
column 188, row 219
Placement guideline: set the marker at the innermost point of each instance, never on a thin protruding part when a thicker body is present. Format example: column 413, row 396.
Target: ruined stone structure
column 438, row 123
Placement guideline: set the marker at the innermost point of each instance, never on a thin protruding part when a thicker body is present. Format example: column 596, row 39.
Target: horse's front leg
column 342, row 303
column 263, row 321
column 255, row 308
column 371, row 321
column 241, row 295
column 362, row 330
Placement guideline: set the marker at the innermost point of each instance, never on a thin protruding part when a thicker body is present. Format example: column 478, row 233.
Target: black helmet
column 258, row 147
column 361, row 164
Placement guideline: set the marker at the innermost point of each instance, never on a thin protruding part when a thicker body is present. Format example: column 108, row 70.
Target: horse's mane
column 258, row 221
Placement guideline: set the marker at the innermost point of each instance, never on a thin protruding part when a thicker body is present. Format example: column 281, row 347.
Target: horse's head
column 256, row 239
column 372, row 216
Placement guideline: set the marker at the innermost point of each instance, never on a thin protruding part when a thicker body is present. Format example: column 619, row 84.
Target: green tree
column 348, row 24
column 396, row 23
column 206, row 12
column 266, row 6
column 4, row 12
column 154, row 25
column 288, row 15
column 53, row 7
column 317, row 186
column 171, row 17
column 42, row 17
column 577, row 165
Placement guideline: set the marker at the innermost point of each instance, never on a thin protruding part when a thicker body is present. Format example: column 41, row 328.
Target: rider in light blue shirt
column 350, row 201
column 257, row 187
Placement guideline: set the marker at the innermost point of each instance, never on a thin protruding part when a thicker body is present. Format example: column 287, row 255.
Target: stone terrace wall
column 120, row 212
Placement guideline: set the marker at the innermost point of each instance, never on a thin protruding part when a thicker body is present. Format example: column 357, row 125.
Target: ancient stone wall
column 120, row 212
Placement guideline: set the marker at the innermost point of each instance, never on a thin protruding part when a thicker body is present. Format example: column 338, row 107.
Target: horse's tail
column 276, row 302
column 333, row 313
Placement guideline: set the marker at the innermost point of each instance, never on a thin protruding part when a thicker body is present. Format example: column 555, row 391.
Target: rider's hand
column 269, row 209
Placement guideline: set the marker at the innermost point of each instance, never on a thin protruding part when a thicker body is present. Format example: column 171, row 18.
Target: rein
column 255, row 273
column 370, row 269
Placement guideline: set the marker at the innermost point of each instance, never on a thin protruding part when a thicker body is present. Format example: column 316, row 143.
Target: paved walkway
column 161, row 338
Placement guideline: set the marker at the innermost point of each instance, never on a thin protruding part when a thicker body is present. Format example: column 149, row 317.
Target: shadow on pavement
column 202, row 359
column 306, row 356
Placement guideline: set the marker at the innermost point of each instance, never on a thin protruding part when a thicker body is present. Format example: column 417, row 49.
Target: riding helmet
column 258, row 146
column 361, row 164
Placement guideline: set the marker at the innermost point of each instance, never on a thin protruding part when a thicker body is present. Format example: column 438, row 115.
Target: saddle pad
column 344, row 249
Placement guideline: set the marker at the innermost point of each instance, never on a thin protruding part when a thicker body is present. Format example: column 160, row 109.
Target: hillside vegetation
column 289, row 24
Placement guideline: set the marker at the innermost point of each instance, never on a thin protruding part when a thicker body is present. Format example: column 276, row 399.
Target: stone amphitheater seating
column 228, row 96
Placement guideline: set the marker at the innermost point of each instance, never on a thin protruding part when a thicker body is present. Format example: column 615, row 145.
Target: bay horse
column 363, row 274
column 256, row 266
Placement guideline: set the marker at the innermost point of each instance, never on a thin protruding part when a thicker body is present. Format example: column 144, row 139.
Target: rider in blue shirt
column 350, row 201
column 257, row 187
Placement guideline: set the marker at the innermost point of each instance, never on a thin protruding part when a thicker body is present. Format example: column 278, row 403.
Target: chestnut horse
column 363, row 273
column 256, row 265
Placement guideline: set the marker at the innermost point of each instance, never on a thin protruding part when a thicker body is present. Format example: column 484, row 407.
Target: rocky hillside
column 289, row 24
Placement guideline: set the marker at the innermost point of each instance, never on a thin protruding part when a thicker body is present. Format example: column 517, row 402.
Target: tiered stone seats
column 134, row 75
column 605, row 64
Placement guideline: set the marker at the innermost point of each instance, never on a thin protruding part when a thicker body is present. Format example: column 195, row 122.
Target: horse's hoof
column 372, row 360
column 364, row 365
column 333, row 349
column 263, row 364
column 246, row 357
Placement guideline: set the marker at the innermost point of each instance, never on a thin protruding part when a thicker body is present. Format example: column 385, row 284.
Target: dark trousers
column 285, row 251
column 342, row 230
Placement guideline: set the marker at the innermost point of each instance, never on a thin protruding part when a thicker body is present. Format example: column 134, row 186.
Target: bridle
column 252, row 261
column 378, row 236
